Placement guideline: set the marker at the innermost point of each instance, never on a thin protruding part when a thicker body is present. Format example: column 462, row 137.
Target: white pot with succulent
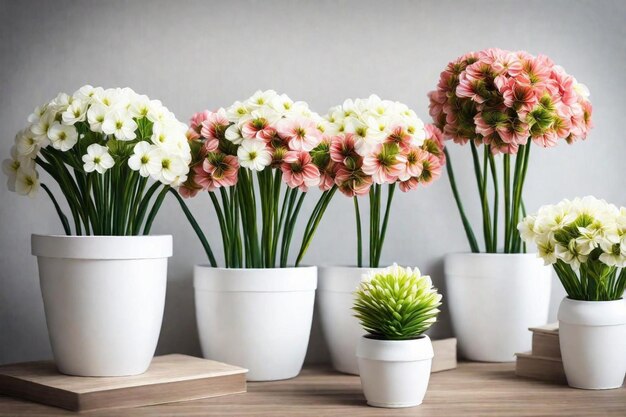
column 494, row 297
column 257, row 311
column 103, row 286
column 585, row 241
column 395, row 307
column 405, row 142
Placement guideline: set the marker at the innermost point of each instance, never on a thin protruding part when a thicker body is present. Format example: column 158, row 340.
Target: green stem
column 383, row 230
column 507, row 201
column 62, row 216
column 196, row 227
column 496, row 201
column 155, row 209
column 359, row 236
column 459, row 204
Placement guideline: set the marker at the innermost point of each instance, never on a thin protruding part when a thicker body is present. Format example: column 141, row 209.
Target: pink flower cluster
column 503, row 98
column 396, row 160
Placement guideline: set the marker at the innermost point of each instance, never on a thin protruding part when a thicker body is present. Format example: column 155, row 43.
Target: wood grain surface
column 473, row 389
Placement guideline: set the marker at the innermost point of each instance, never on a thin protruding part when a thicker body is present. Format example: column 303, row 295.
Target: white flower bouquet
column 585, row 240
column 102, row 147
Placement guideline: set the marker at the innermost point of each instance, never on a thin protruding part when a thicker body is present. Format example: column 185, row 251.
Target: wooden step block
column 540, row 367
column 445, row 355
column 170, row 378
column 546, row 341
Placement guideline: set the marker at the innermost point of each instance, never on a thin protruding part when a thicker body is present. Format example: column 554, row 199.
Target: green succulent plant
column 396, row 303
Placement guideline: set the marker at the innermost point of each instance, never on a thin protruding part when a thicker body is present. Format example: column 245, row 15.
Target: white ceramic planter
column 592, row 335
column 341, row 330
column 493, row 300
column 259, row 319
column 104, row 298
column 394, row 373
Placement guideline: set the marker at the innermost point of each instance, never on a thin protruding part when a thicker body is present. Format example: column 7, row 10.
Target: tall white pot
column 259, row 319
column 103, row 298
column 493, row 300
column 335, row 297
column 592, row 335
column 394, row 373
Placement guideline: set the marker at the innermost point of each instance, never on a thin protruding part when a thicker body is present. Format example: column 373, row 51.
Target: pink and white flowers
column 374, row 141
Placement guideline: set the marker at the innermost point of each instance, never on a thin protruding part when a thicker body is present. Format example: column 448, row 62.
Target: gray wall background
column 194, row 55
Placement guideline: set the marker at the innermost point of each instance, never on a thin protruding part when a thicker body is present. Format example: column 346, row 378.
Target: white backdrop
column 203, row 54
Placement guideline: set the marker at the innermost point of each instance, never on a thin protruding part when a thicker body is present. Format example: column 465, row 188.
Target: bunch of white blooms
column 373, row 120
column 577, row 232
column 97, row 129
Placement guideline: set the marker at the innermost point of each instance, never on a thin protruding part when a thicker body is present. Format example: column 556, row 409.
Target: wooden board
column 445, row 355
column 473, row 389
column 540, row 367
column 170, row 378
column 550, row 328
column 546, row 345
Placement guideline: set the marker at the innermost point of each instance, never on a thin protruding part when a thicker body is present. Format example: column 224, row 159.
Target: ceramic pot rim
column 102, row 247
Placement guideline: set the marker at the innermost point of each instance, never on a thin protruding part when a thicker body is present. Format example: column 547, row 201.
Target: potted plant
column 395, row 306
column 256, row 160
column 114, row 155
column 585, row 242
column 375, row 145
column 503, row 102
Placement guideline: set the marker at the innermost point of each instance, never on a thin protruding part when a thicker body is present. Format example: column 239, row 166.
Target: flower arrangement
column 376, row 142
column 505, row 101
column 396, row 303
column 279, row 141
column 585, row 241
column 102, row 146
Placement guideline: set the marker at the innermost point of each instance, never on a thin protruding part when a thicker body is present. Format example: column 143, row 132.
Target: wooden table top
column 474, row 389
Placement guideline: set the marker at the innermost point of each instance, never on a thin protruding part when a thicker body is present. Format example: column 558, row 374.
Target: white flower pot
column 592, row 335
column 493, row 300
column 104, row 298
column 259, row 319
column 394, row 373
column 342, row 331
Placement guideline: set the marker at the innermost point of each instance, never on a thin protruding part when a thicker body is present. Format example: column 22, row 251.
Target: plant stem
column 359, row 236
column 466, row 224
column 383, row 230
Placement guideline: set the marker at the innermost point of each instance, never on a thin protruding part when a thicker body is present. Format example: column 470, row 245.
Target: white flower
column 140, row 106
column 11, row 166
column 581, row 89
column 86, row 93
column 526, row 228
column 120, row 124
column 62, row 137
column 36, row 114
column 42, row 126
column 237, row 111
column 27, row 144
column 260, row 99
column 144, row 159
column 166, row 168
column 546, row 250
column 27, row 182
column 253, row 154
column 97, row 159
column 76, row 112
column 95, row 116
column 233, row 134
column 158, row 112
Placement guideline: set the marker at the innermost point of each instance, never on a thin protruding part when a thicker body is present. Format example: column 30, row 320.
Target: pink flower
column 431, row 169
column 352, row 182
column 384, row 166
column 434, row 142
column 189, row 189
column 342, row 149
column 548, row 139
column 469, row 88
column 222, row 170
column 299, row 170
column 414, row 163
column 203, row 178
column 518, row 96
column 327, row 176
column 195, row 124
column 214, row 125
column 258, row 127
column 301, row 133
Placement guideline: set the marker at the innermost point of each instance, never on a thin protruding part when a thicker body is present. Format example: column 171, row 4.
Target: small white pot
column 592, row 335
column 394, row 373
column 104, row 298
column 259, row 319
column 341, row 330
column 493, row 300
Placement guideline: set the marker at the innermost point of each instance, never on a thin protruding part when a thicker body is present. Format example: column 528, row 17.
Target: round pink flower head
column 352, row 182
column 195, row 124
column 386, row 165
column 214, row 125
column 299, row 171
column 343, row 150
column 223, row 169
